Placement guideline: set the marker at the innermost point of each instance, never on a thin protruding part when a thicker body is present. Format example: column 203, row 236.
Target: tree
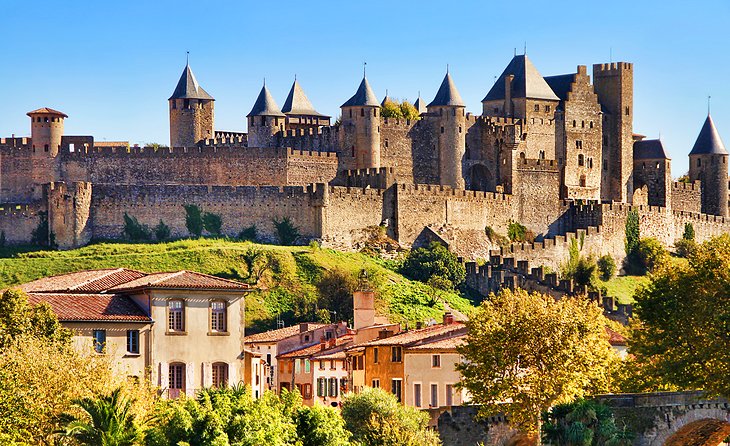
column 606, row 267
column 193, row 219
column 651, row 253
column 517, row 232
column 689, row 232
column 134, row 230
column 583, row 423
column 409, row 111
column 42, row 235
column 249, row 233
column 286, row 231
column 212, row 223
column 683, row 325
column 632, row 262
column 375, row 417
column 321, row 426
column 335, row 288
column 18, row 318
column 434, row 260
column 391, row 109
column 162, row 231
column 106, row 420
column 534, row 352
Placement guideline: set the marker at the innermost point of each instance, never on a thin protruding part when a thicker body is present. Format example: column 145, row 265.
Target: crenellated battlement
column 613, row 66
column 397, row 123
column 21, row 208
column 693, row 186
column 537, row 165
column 446, row 191
column 15, row 142
column 198, row 151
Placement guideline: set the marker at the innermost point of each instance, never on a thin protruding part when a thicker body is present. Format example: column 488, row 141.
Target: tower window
column 547, row 108
column 459, row 129
column 582, row 181
column 496, row 109
column 375, row 112
column 186, row 104
column 386, row 143
column 699, row 162
column 537, row 107
column 453, row 112
column 590, row 124
column 578, row 144
column 263, row 120
column 45, row 147
column 605, row 165
column 442, row 129
column 542, row 154
column 581, row 160
column 351, row 113
column 574, row 123
column 627, row 111
column 362, row 112
column 174, row 104
column 583, row 124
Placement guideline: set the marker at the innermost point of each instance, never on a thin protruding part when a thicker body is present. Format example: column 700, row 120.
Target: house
column 182, row 330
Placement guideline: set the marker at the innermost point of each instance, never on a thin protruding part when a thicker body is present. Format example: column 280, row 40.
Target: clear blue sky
column 112, row 65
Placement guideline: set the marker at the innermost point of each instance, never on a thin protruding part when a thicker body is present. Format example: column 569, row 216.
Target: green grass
column 401, row 299
column 623, row 287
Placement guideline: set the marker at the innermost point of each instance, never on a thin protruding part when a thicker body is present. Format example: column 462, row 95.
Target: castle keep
column 557, row 154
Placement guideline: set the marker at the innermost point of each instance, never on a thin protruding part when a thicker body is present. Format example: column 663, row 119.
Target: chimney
column 448, row 318
column 322, row 343
column 384, row 333
column 364, row 308
column 303, row 326
column 508, row 95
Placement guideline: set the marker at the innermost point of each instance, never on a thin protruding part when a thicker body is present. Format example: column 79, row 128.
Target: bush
column 286, row 231
column 162, row 231
column 212, row 223
column 134, row 230
column 632, row 233
column 436, row 260
column 689, row 232
column 606, row 267
column 651, row 253
column 193, row 219
column 684, row 247
column 496, row 238
column 249, row 233
column 519, row 233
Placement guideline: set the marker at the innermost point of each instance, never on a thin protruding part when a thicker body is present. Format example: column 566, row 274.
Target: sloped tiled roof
column 615, row 338
column 440, row 345
column 708, row 141
column 316, row 349
column 278, row 334
column 527, row 82
column 188, row 87
column 265, row 105
column 181, row 279
column 297, row 102
column 91, row 307
column 91, row 281
column 647, row 149
column 364, row 96
column 419, row 336
column 46, row 110
column 448, row 94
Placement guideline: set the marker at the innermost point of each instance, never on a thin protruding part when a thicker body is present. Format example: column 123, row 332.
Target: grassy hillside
column 288, row 289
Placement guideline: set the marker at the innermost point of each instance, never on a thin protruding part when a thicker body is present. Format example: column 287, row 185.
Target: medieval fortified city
column 399, row 272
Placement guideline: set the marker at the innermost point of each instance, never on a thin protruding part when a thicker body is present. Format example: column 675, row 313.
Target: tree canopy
column 435, row 260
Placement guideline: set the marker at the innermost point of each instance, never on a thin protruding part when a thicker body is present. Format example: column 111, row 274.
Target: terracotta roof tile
column 441, row 344
column 279, row 334
column 47, row 110
column 615, row 338
column 83, row 281
column 313, row 350
column 181, row 279
column 414, row 337
column 91, row 307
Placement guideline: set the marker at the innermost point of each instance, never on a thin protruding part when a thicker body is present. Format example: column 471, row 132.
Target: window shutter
column 233, row 373
column 164, row 375
column 189, row 380
column 207, row 374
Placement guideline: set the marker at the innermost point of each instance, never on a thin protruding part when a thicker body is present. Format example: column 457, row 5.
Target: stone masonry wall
column 687, row 197
column 18, row 221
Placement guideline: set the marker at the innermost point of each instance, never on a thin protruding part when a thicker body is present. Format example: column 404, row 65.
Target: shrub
column 249, row 233
column 496, row 238
column 286, row 231
column 651, row 253
column 689, row 232
column 519, row 233
column 684, row 247
column 162, row 231
column 193, row 219
column 134, row 230
column 606, row 267
column 435, row 260
column 212, row 223
column 632, row 233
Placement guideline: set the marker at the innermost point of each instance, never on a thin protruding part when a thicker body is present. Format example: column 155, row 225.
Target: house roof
column 419, row 336
column 527, row 82
column 364, row 96
column 70, row 307
column 560, row 84
column 615, row 338
column 297, row 102
column 708, row 141
column 647, row 149
column 440, row 345
column 91, row 281
column 48, row 111
column 279, row 334
column 265, row 105
column 181, row 279
column 188, row 87
column 317, row 351
column 448, row 94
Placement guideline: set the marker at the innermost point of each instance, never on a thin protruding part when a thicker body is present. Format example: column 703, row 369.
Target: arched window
column 220, row 374
column 590, row 124
column 522, row 155
column 542, row 154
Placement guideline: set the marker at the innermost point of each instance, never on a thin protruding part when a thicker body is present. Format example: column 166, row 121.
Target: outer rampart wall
column 350, row 210
column 687, row 197
column 18, row 221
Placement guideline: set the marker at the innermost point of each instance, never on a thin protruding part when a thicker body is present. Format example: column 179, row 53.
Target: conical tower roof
column 188, row 87
column 708, row 142
column 420, row 104
column 265, row 105
column 297, row 103
column 527, row 82
column 385, row 99
column 447, row 95
column 364, row 96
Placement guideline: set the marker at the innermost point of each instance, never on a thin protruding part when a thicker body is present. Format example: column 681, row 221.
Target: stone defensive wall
column 349, row 210
column 18, row 221
column 687, row 196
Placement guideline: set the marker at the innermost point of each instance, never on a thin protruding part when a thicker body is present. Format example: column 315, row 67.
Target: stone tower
column 362, row 113
column 264, row 121
column 449, row 112
column 46, row 131
column 300, row 114
column 708, row 163
column 614, row 85
column 191, row 112
column 653, row 172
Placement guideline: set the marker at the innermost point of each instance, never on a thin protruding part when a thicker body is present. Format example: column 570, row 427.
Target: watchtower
column 708, row 163
column 46, row 130
column 265, row 120
column 362, row 111
column 449, row 111
column 191, row 112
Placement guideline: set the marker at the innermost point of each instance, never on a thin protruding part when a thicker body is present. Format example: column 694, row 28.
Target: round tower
column 450, row 114
column 265, row 120
column 191, row 112
column 362, row 113
column 708, row 164
column 46, row 131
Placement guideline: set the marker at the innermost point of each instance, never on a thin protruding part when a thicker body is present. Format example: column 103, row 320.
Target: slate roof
column 279, row 334
column 46, row 110
column 297, row 102
column 180, row 279
column 188, row 87
column 71, row 307
column 91, row 281
column 708, row 142
column 265, row 105
column 420, row 105
column 648, row 149
column 447, row 95
column 364, row 96
column 419, row 336
column 560, row 84
column 527, row 82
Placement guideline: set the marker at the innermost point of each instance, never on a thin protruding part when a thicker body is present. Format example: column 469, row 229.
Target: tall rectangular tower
column 614, row 85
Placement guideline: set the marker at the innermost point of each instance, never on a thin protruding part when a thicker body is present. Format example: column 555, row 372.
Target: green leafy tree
column 375, row 417
column 526, row 352
column 286, row 231
column 19, row 318
column 106, row 420
column 162, row 231
column 193, row 219
column 134, row 230
column 321, row 426
column 606, row 267
column 632, row 263
column 583, row 423
column 689, row 232
column 683, row 320
column 42, row 235
column 409, row 111
column 335, row 288
column 652, row 254
column 391, row 109
column 435, row 260
column 212, row 223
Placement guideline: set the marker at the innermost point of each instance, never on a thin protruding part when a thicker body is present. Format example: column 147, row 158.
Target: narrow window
column 580, row 160
column 583, row 124
column 542, row 154
column 321, row 388
column 351, row 113
column 333, row 387
column 186, row 104
column 174, row 104
column 218, row 322
column 417, row 395
column 376, row 383
column 99, row 341
column 268, row 358
column 375, row 355
column 582, row 181
column 459, row 129
column 297, row 366
column 537, row 107
column 590, row 124
column 396, row 387
column 133, row 342
column 175, row 316
column 396, row 354
column 332, row 364
column 449, row 395
column 442, row 129
column 328, row 335
column 605, row 165
column 434, row 395
column 307, row 366
column 436, row 361
column 578, row 144
column 306, row 338
column 375, row 112
column 627, row 111
column 176, row 380
column 263, row 120
column 46, row 147
column 386, row 143
column 220, row 374
column 362, row 112
column 699, row 162
column 574, row 123
column 321, row 365
column 307, row 391
column 547, row 108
